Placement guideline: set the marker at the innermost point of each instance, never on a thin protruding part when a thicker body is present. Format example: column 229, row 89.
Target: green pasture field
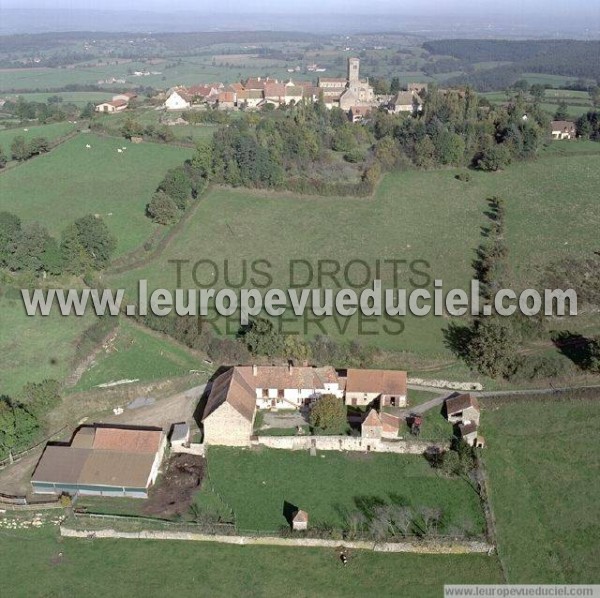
column 542, row 463
column 138, row 354
column 99, row 180
column 413, row 215
column 145, row 116
column 79, row 98
column 35, row 348
column 256, row 484
column 119, row 568
column 51, row 132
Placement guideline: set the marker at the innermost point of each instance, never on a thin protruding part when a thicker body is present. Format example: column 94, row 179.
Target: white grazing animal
column 120, row 151
column 88, row 146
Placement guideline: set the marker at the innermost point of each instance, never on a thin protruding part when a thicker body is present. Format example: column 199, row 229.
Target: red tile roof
column 387, row 382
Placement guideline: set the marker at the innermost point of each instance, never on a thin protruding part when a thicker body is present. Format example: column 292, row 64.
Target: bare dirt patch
column 174, row 492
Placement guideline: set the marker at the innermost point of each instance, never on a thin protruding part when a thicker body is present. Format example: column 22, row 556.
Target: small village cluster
column 352, row 94
column 113, row 460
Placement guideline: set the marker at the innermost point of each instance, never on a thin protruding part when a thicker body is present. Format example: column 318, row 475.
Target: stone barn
column 363, row 387
column 228, row 417
column 462, row 408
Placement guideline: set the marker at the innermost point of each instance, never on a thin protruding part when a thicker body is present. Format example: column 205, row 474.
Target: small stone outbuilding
column 372, row 426
column 300, row 521
column 462, row 408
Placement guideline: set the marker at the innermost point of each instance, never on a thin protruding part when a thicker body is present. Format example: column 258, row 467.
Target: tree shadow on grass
column 576, row 347
column 458, row 337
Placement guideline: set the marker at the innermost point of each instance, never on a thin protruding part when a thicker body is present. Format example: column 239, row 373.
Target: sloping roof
column 282, row 377
column 250, row 94
column 274, row 90
column 101, row 457
column 127, row 440
column 338, row 80
column 301, row 516
column 460, row 403
column 114, row 468
column 390, row 423
column 372, row 419
column 403, row 98
column 562, row 125
column 60, row 464
column 226, row 96
column 294, row 90
column 387, row 382
column 237, row 386
column 231, row 387
column 84, row 437
column 466, row 429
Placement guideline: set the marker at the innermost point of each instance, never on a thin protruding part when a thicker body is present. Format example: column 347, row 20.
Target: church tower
column 353, row 67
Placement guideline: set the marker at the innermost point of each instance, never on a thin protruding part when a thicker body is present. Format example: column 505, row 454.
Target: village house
column 236, row 394
column 111, row 107
column 563, row 129
column 462, row 408
column 364, row 387
column 249, row 98
column 359, row 113
column 226, row 100
column 406, row 101
column 178, row 99
column 102, row 461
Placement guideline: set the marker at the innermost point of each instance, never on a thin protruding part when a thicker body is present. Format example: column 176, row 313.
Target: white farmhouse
column 177, row 100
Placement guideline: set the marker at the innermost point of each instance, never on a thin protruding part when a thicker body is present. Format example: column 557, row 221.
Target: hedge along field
column 413, row 215
column 542, row 464
column 256, row 484
column 35, row 348
column 72, row 181
column 51, row 132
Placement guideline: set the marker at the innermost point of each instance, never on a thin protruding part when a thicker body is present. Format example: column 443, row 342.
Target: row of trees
column 22, row 150
column 85, row 245
column 179, row 187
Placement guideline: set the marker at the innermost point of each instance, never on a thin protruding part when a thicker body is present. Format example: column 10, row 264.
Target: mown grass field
column 542, row 461
column 427, row 216
column 138, row 354
column 35, row 348
column 72, row 181
column 117, row 568
column 256, row 484
column 50, row 132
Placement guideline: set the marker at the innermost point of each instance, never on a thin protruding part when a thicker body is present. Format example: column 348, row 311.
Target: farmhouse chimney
column 254, row 370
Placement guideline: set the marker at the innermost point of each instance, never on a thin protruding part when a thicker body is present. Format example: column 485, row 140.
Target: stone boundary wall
column 345, row 443
column 445, row 384
column 421, row 547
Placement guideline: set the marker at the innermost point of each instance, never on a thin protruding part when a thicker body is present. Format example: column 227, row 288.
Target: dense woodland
column 574, row 58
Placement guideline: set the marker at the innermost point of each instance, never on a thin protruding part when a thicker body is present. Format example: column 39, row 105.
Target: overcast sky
column 420, row 7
